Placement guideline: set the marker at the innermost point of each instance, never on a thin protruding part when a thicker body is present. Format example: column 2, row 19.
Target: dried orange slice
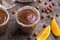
column 55, row 28
column 43, row 35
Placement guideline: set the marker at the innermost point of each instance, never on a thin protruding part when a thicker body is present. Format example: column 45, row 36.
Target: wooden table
column 13, row 26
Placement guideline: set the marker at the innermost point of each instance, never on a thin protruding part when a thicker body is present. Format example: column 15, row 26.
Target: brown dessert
column 27, row 16
column 3, row 16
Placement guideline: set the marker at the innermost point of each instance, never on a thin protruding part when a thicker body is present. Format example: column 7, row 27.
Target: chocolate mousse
column 3, row 16
column 27, row 16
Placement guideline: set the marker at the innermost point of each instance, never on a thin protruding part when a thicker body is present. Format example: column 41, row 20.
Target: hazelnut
column 30, row 37
column 10, row 36
column 42, row 17
column 18, row 34
column 45, row 3
column 35, row 34
column 57, row 15
column 51, row 10
column 14, row 11
column 40, row 1
column 44, row 25
column 49, row 16
column 43, row 10
column 37, row 7
column 52, row 18
column 50, row 0
column 46, row 10
column 50, row 5
column 53, row 4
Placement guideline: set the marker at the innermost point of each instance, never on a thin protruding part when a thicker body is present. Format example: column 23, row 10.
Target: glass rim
column 4, row 9
column 32, row 8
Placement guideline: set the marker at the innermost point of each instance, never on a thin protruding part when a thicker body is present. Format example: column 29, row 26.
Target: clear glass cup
column 4, row 25
column 28, row 28
column 8, row 3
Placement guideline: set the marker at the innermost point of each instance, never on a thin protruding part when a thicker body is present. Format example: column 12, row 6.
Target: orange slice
column 55, row 28
column 43, row 35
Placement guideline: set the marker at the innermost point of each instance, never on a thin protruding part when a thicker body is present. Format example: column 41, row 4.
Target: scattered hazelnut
column 43, row 10
column 53, row 4
column 35, row 34
column 49, row 16
column 10, row 36
column 37, row 7
column 30, row 38
column 14, row 11
column 45, row 3
column 42, row 17
column 52, row 18
column 40, row 1
column 57, row 15
column 18, row 34
column 50, row 6
column 50, row 0
column 51, row 10
column 44, row 25
column 47, row 11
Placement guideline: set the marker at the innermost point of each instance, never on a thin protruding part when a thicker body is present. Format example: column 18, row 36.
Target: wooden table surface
column 13, row 26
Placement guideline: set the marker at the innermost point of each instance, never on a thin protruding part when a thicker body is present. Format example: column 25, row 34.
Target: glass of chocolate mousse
column 27, row 17
column 4, row 18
